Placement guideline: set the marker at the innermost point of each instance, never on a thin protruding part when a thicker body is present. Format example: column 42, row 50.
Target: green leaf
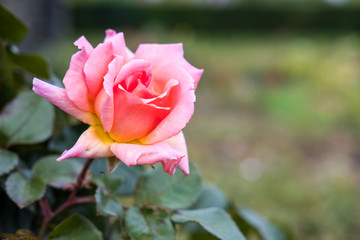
column 32, row 63
column 130, row 177
column 264, row 228
column 75, row 227
column 57, row 174
column 27, row 119
column 210, row 196
column 155, row 187
column 11, row 28
column 24, row 188
column 8, row 160
column 111, row 183
column 214, row 220
column 148, row 224
column 113, row 163
column 106, row 204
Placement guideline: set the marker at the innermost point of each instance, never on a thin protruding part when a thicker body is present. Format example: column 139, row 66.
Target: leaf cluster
column 120, row 203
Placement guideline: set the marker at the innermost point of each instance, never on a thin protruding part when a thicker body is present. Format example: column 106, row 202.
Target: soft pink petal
column 160, row 54
column 96, row 67
column 75, row 82
column 83, row 44
column 136, row 65
column 118, row 43
column 181, row 99
column 104, row 103
column 135, row 119
column 93, row 143
column 194, row 72
column 58, row 97
column 133, row 154
column 114, row 68
column 178, row 143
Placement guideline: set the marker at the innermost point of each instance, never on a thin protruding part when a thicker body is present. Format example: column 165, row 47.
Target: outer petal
column 133, row 154
column 58, row 97
column 82, row 43
column 118, row 44
column 182, row 98
column 178, row 143
column 160, row 54
column 93, row 143
column 194, row 72
column 75, row 82
column 135, row 119
column 96, row 67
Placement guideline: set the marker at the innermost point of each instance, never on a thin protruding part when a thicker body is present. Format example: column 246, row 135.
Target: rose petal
column 181, row 98
column 178, row 143
column 194, row 72
column 118, row 44
column 83, row 44
column 93, row 143
column 104, row 104
column 75, row 82
column 160, row 54
column 135, row 119
column 58, row 97
column 96, row 67
column 133, row 154
column 132, row 67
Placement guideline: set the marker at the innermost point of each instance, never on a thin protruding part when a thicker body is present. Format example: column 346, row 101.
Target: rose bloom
column 135, row 103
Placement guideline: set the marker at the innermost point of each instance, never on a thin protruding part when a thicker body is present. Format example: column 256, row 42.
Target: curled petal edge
column 136, row 154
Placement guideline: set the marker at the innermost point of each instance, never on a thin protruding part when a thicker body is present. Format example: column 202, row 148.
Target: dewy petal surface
column 134, row 154
column 93, row 143
column 59, row 97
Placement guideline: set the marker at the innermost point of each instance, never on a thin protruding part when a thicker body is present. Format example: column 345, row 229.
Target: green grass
column 289, row 101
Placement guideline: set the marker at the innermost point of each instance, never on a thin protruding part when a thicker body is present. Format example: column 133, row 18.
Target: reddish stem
column 71, row 200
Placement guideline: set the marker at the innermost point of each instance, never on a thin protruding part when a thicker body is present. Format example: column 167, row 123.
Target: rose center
column 139, row 79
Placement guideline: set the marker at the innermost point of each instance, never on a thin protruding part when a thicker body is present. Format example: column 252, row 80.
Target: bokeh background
column 277, row 120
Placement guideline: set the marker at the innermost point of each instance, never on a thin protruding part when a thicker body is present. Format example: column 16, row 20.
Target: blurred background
column 277, row 119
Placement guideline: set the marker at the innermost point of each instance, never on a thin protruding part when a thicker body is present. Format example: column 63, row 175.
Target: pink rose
column 136, row 104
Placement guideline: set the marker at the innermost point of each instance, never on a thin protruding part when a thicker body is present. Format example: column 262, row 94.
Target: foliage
column 35, row 182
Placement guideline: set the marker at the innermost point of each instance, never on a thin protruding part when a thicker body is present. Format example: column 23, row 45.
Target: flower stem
column 71, row 200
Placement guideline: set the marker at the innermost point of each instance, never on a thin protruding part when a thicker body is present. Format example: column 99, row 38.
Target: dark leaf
column 75, row 227
column 35, row 64
column 57, row 174
column 111, row 183
column 24, row 188
column 214, row 220
column 28, row 119
column 155, row 187
column 264, row 228
column 8, row 160
column 106, row 204
column 12, row 28
column 148, row 224
column 210, row 196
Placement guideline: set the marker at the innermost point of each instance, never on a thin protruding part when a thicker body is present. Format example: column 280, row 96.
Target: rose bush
column 135, row 103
